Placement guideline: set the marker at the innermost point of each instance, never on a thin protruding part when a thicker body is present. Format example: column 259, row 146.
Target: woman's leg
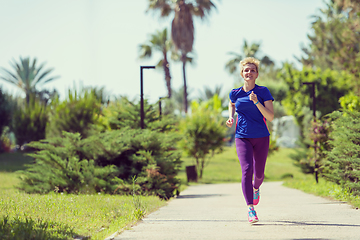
column 261, row 149
column 244, row 151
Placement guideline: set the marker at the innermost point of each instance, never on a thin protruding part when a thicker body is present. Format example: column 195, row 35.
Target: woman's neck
column 248, row 86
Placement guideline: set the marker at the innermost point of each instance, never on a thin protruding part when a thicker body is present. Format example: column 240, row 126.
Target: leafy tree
column 350, row 102
column 330, row 86
column 27, row 76
column 335, row 40
column 159, row 42
column 182, row 28
column 343, row 160
column 203, row 132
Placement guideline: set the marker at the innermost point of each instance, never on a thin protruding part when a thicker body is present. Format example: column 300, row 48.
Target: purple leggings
column 252, row 153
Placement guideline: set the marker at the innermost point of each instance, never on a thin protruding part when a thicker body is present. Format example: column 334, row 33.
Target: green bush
column 105, row 162
column 77, row 114
column 29, row 122
column 350, row 102
column 343, row 160
column 149, row 155
column 203, row 132
column 59, row 167
column 125, row 113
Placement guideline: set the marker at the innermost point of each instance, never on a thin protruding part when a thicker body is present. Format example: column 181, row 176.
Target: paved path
column 218, row 211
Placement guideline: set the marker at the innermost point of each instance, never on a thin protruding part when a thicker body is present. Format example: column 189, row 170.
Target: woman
column 253, row 104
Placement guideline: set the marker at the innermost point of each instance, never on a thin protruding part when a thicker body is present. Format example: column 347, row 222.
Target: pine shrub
column 105, row 162
column 59, row 167
column 343, row 160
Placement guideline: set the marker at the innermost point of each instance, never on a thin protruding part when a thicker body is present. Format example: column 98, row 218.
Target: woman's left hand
column 253, row 97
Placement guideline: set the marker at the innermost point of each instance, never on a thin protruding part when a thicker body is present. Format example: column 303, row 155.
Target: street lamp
column 314, row 114
column 142, row 95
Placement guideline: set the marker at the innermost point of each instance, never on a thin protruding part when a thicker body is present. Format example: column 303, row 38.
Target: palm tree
column 27, row 76
column 159, row 42
column 248, row 50
column 208, row 93
column 182, row 27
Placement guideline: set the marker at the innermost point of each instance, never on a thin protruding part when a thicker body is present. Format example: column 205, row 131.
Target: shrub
column 97, row 163
column 343, row 160
column 59, row 167
column 77, row 114
column 29, row 122
column 350, row 102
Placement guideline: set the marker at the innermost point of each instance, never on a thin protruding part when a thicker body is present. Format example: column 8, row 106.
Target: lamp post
column 314, row 114
column 142, row 95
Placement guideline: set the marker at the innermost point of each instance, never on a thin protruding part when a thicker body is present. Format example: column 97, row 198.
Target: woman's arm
column 230, row 121
column 268, row 110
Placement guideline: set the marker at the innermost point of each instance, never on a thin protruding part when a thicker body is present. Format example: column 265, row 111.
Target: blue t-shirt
column 250, row 123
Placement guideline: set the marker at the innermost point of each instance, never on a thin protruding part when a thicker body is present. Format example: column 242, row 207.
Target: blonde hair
column 249, row 60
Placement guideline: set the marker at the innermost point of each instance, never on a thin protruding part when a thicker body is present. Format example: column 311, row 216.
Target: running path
column 218, row 211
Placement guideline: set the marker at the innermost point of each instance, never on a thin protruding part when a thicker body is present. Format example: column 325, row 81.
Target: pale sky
column 96, row 43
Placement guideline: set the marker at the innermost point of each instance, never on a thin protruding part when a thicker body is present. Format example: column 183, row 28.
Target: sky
column 96, row 43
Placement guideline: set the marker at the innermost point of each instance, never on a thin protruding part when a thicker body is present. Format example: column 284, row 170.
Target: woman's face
column 249, row 72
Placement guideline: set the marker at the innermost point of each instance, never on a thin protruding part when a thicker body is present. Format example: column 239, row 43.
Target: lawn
column 63, row 216
column 225, row 167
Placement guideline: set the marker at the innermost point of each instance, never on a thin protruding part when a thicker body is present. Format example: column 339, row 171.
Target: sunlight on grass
column 96, row 216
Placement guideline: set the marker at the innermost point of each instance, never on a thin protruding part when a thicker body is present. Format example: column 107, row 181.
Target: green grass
column 62, row 216
column 225, row 167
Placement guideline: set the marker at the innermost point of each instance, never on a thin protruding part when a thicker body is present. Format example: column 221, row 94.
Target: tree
column 203, row 132
column 248, row 50
column 159, row 42
column 182, row 27
column 330, row 86
column 335, row 41
column 27, row 76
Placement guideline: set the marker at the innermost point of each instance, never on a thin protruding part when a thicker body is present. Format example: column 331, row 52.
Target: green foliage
column 343, row 160
column 29, row 122
column 77, row 114
column 97, row 163
column 203, row 132
column 334, row 42
column 5, row 110
column 28, row 228
column 59, row 167
column 350, row 102
column 27, row 75
column 330, row 86
column 126, row 114
column 147, row 154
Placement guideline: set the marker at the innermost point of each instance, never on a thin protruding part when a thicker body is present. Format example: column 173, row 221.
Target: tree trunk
column 167, row 74
column 183, row 59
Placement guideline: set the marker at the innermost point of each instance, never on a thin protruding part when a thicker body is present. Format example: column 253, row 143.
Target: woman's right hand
column 230, row 122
